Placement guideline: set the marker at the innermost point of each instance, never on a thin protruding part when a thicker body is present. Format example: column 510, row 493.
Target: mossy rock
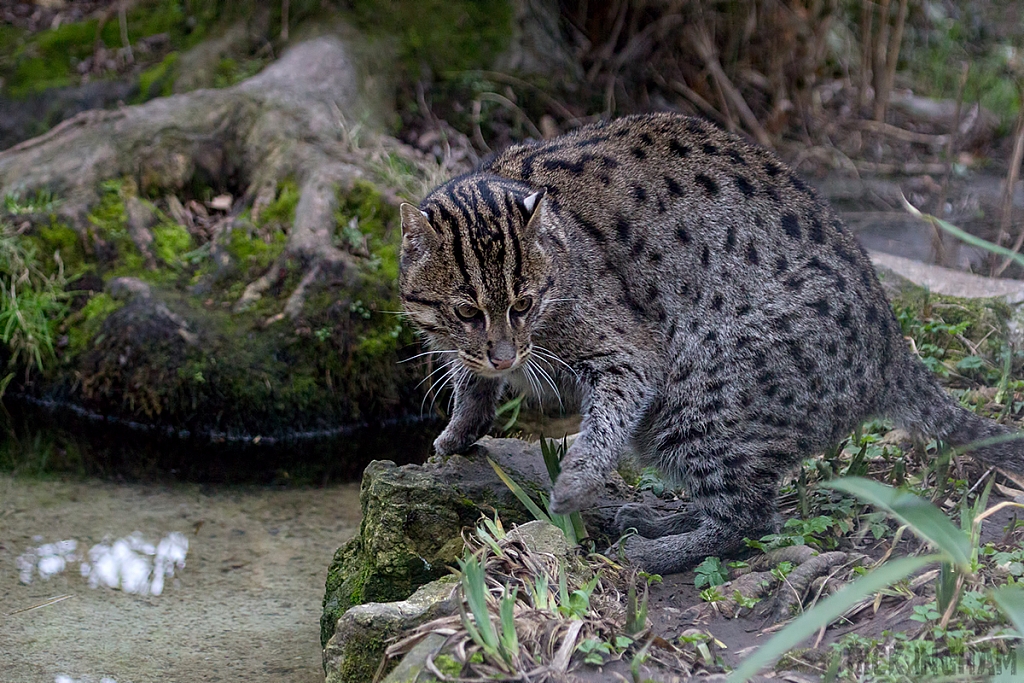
column 413, row 518
column 354, row 652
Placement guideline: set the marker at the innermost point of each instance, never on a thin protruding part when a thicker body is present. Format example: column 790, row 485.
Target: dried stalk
column 892, row 57
column 881, row 51
column 901, row 133
column 1011, row 180
column 867, row 13
column 702, row 44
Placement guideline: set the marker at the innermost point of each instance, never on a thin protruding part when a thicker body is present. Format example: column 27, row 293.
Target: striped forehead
column 482, row 219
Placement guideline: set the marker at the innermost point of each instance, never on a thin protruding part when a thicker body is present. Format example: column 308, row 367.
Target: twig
column 514, row 108
column 908, row 168
column 540, row 92
column 901, row 133
column 892, row 57
column 1011, row 180
column 47, row 603
column 881, row 53
column 702, row 44
column 866, row 14
column 694, row 97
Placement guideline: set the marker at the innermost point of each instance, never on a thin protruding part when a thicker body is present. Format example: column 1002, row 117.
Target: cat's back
column 657, row 160
column 684, row 195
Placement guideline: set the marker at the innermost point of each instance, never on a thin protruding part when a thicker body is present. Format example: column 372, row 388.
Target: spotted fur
column 718, row 318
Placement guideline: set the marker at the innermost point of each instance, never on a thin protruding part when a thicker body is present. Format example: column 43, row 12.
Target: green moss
column 446, row 35
column 361, row 664
column 942, row 326
column 253, row 253
column 158, row 80
column 282, row 209
column 230, row 71
column 448, row 665
column 34, row 62
column 88, row 322
column 58, row 238
column 170, row 241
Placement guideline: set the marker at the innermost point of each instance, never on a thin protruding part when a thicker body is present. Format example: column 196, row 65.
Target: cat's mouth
column 487, row 367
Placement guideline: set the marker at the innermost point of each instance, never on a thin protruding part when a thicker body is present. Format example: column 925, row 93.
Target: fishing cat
column 717, row 317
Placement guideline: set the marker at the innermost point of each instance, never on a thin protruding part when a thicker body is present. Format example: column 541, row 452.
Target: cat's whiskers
column 529, row 374
column 426, row 353
column 447, row 364
column 547, row 377
column 549, row 355
column 452, row 373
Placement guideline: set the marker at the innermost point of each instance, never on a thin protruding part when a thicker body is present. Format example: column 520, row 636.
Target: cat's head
column 476, row 272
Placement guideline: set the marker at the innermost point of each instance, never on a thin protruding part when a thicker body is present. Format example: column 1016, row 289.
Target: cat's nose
column 502, row 355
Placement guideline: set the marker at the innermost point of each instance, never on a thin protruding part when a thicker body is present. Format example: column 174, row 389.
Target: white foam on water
column 60, row 678
column 131, row 564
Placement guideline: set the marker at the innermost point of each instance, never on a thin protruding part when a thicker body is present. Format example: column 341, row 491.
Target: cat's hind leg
column 717, row 527
column 730, row 468
column 652, row 523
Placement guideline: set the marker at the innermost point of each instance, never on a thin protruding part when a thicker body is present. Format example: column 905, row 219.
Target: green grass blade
column 926, row 520
column 523, row 497
column 509, row 637
column 826, row 611
column 1011, row 601
column 961, row 235
column 552, row 453
column 474, row 585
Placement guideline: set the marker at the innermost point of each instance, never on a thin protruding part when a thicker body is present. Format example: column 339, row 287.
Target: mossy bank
column 151, row 329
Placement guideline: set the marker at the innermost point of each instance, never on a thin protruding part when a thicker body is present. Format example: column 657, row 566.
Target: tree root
column 811, row 577
column 797, row 585
column 285, row 122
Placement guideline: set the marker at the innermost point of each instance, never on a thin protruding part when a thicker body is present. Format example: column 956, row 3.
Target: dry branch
column 702, row 44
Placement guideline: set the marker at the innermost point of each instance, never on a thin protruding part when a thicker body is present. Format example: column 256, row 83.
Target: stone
column 541, row 537
column 413, row 667
column 414, row 515
column 354, row 652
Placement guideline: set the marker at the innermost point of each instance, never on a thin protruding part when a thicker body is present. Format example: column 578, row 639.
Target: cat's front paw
column 574, row 491
column 454, row 441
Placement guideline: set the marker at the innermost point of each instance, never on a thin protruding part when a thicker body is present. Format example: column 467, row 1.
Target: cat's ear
column 530, row 206
column 414, row 223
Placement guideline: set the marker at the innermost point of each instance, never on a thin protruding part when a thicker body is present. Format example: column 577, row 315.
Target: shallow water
column 81, row 600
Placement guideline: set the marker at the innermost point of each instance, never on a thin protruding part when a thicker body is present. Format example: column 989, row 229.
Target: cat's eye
column 522, row 305
column 467, row 312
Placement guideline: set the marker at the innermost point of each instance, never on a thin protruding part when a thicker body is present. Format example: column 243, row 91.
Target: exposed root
column 800, row 580
column 752, row 586
column 255, row 289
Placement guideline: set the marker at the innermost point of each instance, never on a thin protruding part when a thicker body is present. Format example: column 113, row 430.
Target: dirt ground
column 245, row 607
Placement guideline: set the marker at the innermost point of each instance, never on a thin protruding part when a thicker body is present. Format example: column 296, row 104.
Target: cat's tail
column 922, row 407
